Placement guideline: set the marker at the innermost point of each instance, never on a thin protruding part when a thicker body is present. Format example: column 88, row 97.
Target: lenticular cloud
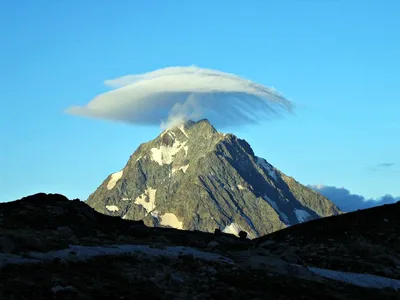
column 173, row 95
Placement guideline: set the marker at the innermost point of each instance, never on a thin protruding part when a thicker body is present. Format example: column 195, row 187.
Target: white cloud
column 175, row 94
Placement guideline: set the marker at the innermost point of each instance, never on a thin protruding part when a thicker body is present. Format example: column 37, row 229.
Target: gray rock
column 211, row 271
column 290, row 257
column 267, row 244
column 61, row 289
column 176, row 279
column 65, row 232
column 213, row 244
column 243, row 235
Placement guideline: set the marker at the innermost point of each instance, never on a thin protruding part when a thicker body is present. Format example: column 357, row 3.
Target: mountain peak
column 190, row 133
column 204, row 122
column 200, row 125
column 193, row 177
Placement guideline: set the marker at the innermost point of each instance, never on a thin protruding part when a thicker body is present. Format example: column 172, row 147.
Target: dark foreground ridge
column 55, row 248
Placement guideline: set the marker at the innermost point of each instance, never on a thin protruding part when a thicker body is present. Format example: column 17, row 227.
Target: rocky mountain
column 55, row 248
column 195, row 178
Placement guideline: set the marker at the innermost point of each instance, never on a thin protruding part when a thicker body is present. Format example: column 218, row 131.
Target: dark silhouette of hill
column 55, row 248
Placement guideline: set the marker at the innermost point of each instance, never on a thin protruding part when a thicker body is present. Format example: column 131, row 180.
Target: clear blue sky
column 338, row 60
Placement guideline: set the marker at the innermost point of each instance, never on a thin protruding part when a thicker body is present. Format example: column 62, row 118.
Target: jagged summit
column 194, row 177
column 201, row 122
column 193, row 126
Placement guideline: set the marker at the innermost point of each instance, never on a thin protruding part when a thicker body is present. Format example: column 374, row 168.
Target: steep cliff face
column 193, row 177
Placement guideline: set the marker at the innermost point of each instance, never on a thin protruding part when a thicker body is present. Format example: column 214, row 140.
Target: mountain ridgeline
column 193, row 177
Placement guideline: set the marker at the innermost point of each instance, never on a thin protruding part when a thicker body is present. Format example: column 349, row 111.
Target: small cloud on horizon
column 386, row 166
column 350, row 202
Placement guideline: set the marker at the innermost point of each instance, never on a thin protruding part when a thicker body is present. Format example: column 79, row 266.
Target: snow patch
column 150, row 195
column 240, row 187
column 267, row 167
column 165, row 154
column 363, row 280
column 114, row 179
column 169, row 219
column 126, row 199
column 112, row 208
column 301, row 215
column 232, row 228
column 184, row 168
column 276, row 208
column 76, row 253
column 182, row 128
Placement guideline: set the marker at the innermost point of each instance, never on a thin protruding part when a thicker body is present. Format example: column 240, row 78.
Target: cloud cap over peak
column 182, row 93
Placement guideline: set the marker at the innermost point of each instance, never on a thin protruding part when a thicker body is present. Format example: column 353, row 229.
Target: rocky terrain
column 195, row 178
column 55, row 248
